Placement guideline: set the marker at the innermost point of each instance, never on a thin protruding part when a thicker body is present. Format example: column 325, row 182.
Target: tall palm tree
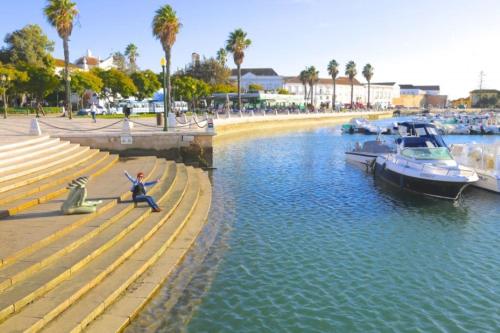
column 351, row 72
column 333, row 70
column 304, row 78
column 165, row 26
column 222, row 56
column 313, row 79
column 132, row 54
column 237, row 43
column 368, row 74
column 61, row 14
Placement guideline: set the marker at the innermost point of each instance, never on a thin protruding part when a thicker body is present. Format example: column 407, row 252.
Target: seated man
column 139, row 191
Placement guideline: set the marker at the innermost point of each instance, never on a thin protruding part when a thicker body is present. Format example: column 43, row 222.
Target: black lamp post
column 163, row 63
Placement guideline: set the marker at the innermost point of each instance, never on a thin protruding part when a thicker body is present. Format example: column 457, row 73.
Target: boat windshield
column 440, row 153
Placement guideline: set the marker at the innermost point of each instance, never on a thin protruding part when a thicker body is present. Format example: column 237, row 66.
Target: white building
column 410, row 89
column 88, row 62
column 323, row 90
column 382, row 94
column 266, row 77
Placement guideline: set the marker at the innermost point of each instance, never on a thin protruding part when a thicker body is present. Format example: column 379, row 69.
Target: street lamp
column 163, row 63
column 5, row 81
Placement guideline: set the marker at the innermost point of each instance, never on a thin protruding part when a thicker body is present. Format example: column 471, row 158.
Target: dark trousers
column 146, row 198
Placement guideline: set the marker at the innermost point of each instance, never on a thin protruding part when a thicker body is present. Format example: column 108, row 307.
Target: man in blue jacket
column 139, row 191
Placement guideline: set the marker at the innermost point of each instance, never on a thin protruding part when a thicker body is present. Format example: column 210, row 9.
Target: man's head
column 140, row 176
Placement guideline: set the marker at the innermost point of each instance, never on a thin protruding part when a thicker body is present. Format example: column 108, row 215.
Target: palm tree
column 166, row 25
column 313, row 79
column 236, row 44
column 61, row 14
column 368, row 74
column 132, row 54
column 351, row 72
column 304, row 78
column 333, row 70
column 222, row 56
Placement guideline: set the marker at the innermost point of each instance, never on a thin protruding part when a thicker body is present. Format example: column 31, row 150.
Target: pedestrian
column 38, row 109
column 139, row 191
column 63, row 111
column 93, row 110
column 126, row 111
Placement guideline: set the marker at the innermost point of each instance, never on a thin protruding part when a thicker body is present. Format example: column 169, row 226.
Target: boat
column 422, row 165
column 367, row 152
column 484, row 159
column 361, row 125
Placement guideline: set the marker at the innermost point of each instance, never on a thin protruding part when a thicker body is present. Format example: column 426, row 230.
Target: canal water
column 299, row 241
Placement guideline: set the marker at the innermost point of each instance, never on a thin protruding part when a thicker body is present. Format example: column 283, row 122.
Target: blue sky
column 445, row 42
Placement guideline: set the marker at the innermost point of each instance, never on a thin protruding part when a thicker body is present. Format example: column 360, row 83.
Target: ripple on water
column 299, row 241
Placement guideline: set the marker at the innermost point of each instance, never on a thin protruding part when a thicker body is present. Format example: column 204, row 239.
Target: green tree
column 282, row 91
column 351, row 72
column 120, row 61
column 237, row 43
column 313, row 78
column 304, row 78
column 61, row 14
column 41, row 82
column 84, row 81
column 190, row 89
column 132, row 54
column 222, row 57
column 368, row 74
column 209, row 70
column 333, row 70
column 29, row 46
column 10, row 77
column 147, row 83
column 166, row 25
column 115, row 83
column 221, row 88
column 255, row 87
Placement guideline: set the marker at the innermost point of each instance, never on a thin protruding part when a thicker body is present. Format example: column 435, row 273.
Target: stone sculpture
column 76, row 202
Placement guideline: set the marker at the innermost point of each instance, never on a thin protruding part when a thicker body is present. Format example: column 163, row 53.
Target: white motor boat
column 421, row 166
column 367, row 152
column 484, row 159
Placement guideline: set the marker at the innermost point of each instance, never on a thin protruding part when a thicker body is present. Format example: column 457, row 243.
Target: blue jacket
column 135, row 182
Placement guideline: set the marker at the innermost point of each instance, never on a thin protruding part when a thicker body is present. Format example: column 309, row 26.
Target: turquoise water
column 300, row 241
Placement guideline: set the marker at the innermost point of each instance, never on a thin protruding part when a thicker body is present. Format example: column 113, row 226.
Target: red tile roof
column 60, row 63
column 91, row 61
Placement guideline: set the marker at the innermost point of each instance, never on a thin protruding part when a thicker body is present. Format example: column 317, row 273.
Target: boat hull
column 433, row 188
column 362, row 158
column 488, row 182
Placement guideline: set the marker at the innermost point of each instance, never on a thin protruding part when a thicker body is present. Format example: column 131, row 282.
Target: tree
column 333, row 70
column 208, row 70
column 222, row 57
column 313, row 78
column 132, row 54
column 304, row 78
column 61, row 14
column 84, row 81
column 166, row 25
column 282, row 91
column 29, row 46
column 41, row 82
column 115, row 83
column 120, row 61
column 255, row 87
column 190, row 89
column 368, row 74
column 10, row 77
column 351, row 72
column 222, row 88
column 146, row 82
column 237, row 43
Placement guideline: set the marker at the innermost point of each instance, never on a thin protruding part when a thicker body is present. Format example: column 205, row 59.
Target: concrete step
column 43, row 163
column 35, row 262
column 21, row 142
column 62, row 165
column 41, row 225
column 27, row 190
column 117, row 315
column 51, row 190
column 20, row 154
column 81, row 280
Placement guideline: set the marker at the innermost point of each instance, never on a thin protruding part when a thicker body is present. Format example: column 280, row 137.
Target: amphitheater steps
column 41, row 311
column 17, row 143
column 17, row 155
column 43, row 224
column 118, row 313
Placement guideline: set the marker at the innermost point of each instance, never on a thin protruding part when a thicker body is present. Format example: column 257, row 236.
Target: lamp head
column 163, row 62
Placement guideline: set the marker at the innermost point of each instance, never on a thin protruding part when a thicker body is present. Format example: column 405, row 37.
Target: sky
column 421, row 42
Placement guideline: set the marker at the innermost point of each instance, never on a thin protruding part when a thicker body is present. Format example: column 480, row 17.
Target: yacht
column 361, row 125
column 367, row 152
column 484, row 159
column 421, row 164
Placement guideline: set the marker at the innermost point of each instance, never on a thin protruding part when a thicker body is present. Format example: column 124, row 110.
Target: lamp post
column 163, row 63
column 5, row 81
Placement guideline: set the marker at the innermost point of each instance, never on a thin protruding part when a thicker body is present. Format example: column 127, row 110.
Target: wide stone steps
column 16, row 155
column 22, row 198
column 68, row 291
column 31, row 264
column 17, row 143
column 41, row 225
column 118, row 313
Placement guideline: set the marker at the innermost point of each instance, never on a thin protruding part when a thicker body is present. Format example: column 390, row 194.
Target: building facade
column 266, row 77
column 88, row 61
column 412, row 96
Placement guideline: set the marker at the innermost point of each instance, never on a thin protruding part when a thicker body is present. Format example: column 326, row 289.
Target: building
column 88, row 62
column 484, row 97
column 258, row 100
column 412, row 96
column 382, row 94
column 266, row 77
column 59, row 67
column 323, row 90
